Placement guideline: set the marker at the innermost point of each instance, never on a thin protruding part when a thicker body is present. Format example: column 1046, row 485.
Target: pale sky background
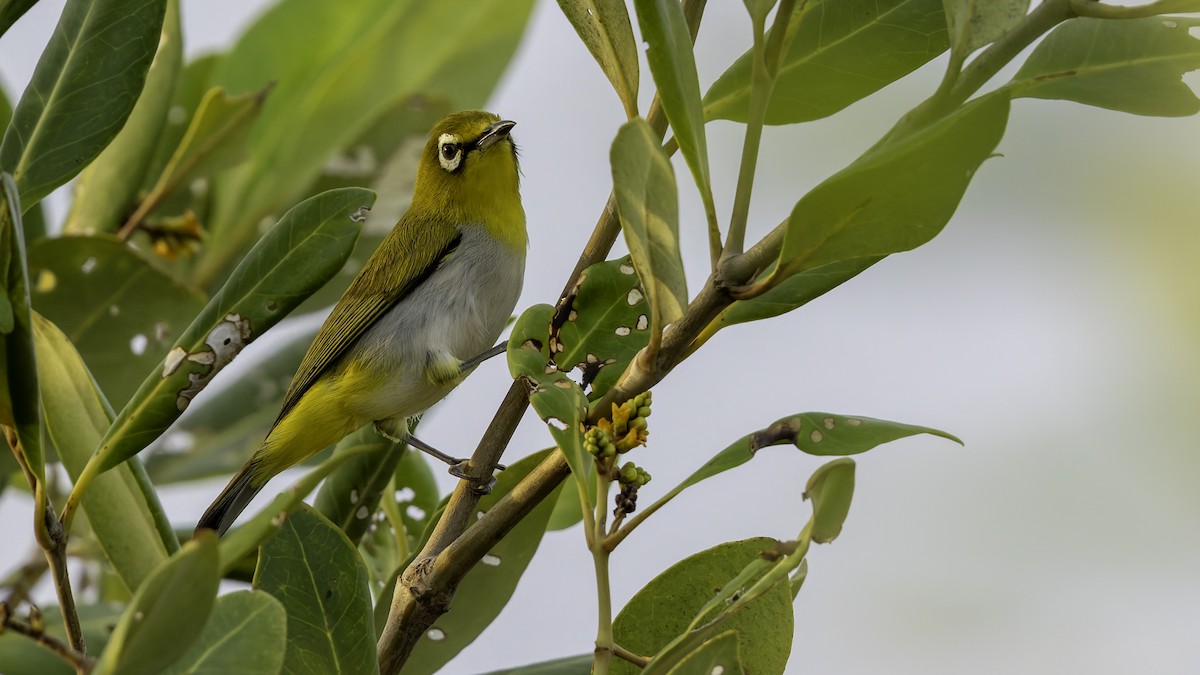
column 1053, row 326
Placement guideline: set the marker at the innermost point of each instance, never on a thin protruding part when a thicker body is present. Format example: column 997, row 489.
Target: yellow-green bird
column 437, row 292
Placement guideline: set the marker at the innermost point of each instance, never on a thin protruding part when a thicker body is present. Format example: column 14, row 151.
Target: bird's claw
column 459, row 470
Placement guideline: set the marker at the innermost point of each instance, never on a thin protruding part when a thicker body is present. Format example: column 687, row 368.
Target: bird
column 434, row 295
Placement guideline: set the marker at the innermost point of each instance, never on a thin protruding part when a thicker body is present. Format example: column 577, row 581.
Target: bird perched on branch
column 436, row 293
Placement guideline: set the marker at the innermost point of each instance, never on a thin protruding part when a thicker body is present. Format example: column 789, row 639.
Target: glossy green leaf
column 10, row 11
column 830, row 488
column 371, row 56
column 569, row 665
column 314, row 570
column 83, row 89
column 665, row 606
column 107, row 191
column 1134, row 66
column 841, row 51
column 349, row 497
column 246, row 634
column 118, row 510
column 604, row 27
column 665, row 30
column 895, row 197
column 167, row 613
column 718, row 655
column 556, row 398
column 190, row 87
column 567, row 511
column 975, row 23
column 22, row 656
column 601, row 324
column 486, row 589
column 648, row 204
column 19, row 399
column 119, row 310
column 302, row 251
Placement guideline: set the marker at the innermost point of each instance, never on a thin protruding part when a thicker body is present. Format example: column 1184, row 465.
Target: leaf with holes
column 167, row 613
column 602, row 323
column 417, row 494
column 975, row 23
column 246, row 634
column 830, row 489
column 556, row 398
column 604, row 27
column 896, row 196
column 486, row 589
column 717, row 655
column 1134, row 66
column 299, row 254
column 314, row 570
column 663, row 609
column 119, row 310
column 841, row 51
column 82, row 92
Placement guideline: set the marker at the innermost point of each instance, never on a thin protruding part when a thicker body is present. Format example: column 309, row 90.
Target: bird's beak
column 494, row 133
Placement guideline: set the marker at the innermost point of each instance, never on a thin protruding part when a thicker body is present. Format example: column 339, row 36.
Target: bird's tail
column 230, row 503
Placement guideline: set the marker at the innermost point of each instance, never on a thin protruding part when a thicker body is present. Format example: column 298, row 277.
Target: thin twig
column 621, row 652
column 80, row 661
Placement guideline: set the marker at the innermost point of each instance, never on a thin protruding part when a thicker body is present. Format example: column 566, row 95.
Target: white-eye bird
column 437, row 292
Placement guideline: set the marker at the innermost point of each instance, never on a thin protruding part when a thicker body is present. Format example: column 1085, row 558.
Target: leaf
column 107, row 191
column 417, row 494
column 83, row 89
column 556, row 398
column 372, row 55
column 486, row 589
column 19, row 398
column 10, row 11
column 349, row 497
column 841, row 51
column 718, row 655
column 975, row 23
column 601, row 324
column 303, row 250
column 167, row 614
column 830, row 489
column 313, row 569
column 604, row 27
column 673, row 65
column 119, row 310
column 568, row 665
column 1134, row 65
column 896, row 196
column 665, row 606
column 118, row 510
column 246, row 634
column 648, row 204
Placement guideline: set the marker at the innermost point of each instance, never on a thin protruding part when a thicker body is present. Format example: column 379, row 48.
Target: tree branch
column 78, row 660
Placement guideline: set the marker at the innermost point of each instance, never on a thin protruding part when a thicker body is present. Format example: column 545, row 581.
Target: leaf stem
column 56, row 557
column 604, row 629
column 625, row 654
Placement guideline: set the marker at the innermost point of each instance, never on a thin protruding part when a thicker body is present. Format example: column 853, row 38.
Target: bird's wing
column 409, row 254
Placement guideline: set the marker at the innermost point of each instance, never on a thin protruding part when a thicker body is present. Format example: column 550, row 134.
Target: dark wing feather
column 409, row 254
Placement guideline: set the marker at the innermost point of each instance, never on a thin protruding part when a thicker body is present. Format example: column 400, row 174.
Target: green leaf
column 22, row 656
column 246, row 634
column 604, row 27
column 648, row 204
column 975, row 23
column 19, row 398
column 107, row 191
column 1134, row 66
column 314, row 570
column 841, row 51
column 664, row 607
column 417, row 494
column 486, row 589
column 302, row 251
column 349, row 497
column 830, row 489
column 673, row 65
column 556, row 398
column 601, row 324
column 717, row 655
column 10, row 11
column 567, row 511
column 120, row 511
column 896, row 196
column 568, row 665
column 119, row 310
column 371, row 56
column 83, row 89
column 167, row 614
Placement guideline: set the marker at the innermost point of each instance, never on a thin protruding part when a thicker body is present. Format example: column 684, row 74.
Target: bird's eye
column 450, row 152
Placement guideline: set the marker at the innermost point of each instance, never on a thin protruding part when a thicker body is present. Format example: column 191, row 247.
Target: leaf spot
column 557, row 423
column 362, row 513
column 114, row 310
column 591, row 358
column 223, row 343
column 635, row 296
column 717, row 670
column 643, row 322
column 174, row 358
column 359, row 215
column 405, row 495
column 415, row 512
column 626, row 268
column 531, row 344
column 572, row 315
column 490, row 560
column 1171, row 24
column 854, row 422
column 89, row 265
column 829, row 423
column 435, row 634
column 138, row 343
column 816, row 436
column 550, row 368
column 354, row 496
column 622, row 331
column 564, row 383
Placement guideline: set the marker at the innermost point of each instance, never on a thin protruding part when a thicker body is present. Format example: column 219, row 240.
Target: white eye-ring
column 450, row 152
